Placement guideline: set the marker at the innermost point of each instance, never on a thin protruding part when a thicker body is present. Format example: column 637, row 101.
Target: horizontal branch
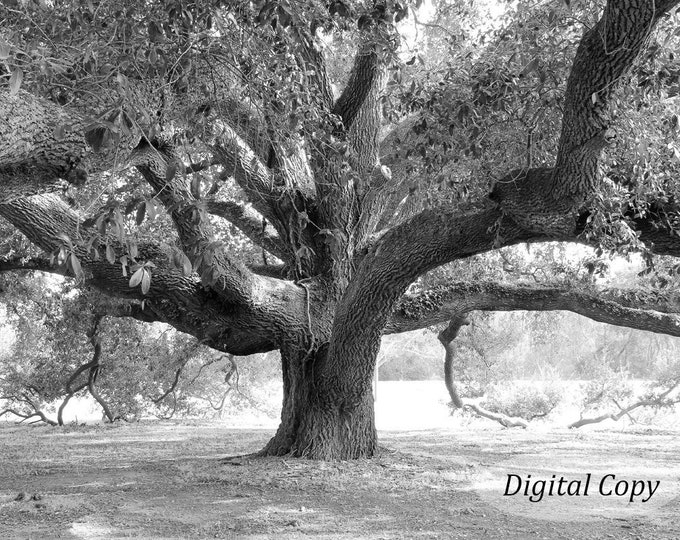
column 179, row 300
column 430, row 239
column 657, row 401
column 503, row 419
column 618, row 307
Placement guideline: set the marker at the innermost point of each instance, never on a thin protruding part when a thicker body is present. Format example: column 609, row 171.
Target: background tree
column 60, row 342
column 194, row 95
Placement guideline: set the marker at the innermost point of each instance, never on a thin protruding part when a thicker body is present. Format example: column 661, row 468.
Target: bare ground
column 167, row 480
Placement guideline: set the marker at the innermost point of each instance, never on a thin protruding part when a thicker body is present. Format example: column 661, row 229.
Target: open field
column 167, row 480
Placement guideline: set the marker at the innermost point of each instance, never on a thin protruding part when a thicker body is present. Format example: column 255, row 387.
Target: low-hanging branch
column 620, row 307
column 446, row 338
column 35, row 412
column 27, row 416
column 174, row 298
column 655, row 401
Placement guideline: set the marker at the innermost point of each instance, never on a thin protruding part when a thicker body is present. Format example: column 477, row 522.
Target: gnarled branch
column 655, row 401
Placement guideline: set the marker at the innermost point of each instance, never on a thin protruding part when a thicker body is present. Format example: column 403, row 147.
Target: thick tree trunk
column 337, row 425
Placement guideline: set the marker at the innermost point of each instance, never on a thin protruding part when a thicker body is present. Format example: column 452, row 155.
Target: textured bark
column 318, row 428
column 173, row 298
column 546, row 200
column 653, row 312
column 394, row 261
column 297, row 381
column 348, row 197
column 228, row 277
column 530, row 213
column 366, row 71
column 41, row 146
column 248, row 170
column 603, row 59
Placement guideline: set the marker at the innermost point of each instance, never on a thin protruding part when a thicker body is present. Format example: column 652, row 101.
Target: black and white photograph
column 340, row 269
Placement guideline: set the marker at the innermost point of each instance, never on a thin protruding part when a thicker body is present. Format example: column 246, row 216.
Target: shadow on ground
column 166, row 480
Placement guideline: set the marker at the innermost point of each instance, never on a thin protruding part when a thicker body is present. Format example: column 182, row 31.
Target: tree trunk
column 335, row 425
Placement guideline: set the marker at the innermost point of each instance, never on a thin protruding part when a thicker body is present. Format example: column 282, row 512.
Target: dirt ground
column 167, row 480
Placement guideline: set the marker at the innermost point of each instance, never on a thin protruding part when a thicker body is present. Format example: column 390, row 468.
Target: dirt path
column 165, row 480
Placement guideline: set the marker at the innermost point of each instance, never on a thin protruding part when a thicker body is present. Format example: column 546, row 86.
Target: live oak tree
column 199, row 97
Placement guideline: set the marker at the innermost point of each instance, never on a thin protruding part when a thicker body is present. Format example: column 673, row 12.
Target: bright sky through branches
column 491, row 16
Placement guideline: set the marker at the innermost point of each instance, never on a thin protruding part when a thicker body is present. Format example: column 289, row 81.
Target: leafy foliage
column 142, row 370
column 523, row 400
